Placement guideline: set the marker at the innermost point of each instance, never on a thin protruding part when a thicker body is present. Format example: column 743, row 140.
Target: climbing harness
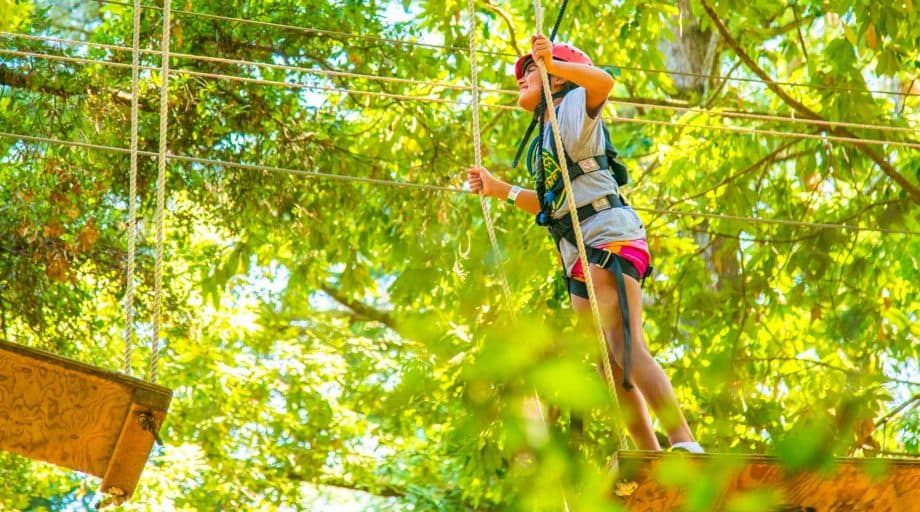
column 550, row 198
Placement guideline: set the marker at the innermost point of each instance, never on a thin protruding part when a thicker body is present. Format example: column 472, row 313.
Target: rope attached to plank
column 161, row 196
column 132, row 193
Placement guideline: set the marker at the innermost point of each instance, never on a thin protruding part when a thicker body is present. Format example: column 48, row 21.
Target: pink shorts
column 633, row 251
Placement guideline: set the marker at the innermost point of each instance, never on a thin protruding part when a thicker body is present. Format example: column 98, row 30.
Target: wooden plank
column 75, row 415
column 878, row 485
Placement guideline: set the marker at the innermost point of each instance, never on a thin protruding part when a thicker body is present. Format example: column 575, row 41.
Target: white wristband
column 513, row 193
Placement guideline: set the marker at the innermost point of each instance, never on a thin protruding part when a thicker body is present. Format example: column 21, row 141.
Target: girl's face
column 530, row 88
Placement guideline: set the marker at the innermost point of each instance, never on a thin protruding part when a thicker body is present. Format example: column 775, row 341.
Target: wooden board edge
column 131, row 452
column 151, row 390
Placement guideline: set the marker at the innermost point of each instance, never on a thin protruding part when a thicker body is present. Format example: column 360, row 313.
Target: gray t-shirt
column 583, row 137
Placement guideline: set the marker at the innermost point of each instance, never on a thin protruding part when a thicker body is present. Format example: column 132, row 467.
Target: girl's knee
column 639, row 353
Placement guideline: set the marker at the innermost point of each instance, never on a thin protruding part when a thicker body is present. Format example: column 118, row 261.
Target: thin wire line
column 500, row 54
column 84, row 145
column 74, row 42
column 438, row 188
column 426, row 83
column 507, row 107
column 782, row 222
column 310, row 30
column 260, row 81
column 759, row 81
column 220, row 76
column 78, row 60
column 206, row 161
column 764, row 117
column 314, row 174
column 337, row 73
column 240, row 62
column 758, row 131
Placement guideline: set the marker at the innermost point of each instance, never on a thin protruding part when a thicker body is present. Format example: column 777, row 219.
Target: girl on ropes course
column 614, row 236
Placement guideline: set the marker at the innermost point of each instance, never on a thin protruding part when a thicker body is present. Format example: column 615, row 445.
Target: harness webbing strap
column 624, row 309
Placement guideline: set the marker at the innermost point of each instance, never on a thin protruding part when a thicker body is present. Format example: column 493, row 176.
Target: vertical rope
column 161, row 195
column 132, row 193
column 477, row 156
column 576, row 224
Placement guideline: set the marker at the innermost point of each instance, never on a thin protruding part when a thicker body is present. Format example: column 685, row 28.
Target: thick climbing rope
column 477, row 156
column 161, row 197
column 132, row 192
column 576, row 226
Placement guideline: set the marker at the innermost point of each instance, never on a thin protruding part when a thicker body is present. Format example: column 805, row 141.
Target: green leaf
column 888, row 63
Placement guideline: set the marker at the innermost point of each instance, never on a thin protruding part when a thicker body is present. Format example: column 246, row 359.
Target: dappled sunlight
column 338, row 327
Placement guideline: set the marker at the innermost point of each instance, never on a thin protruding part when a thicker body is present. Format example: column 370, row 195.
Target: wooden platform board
column 77, row 416
column 852, row 485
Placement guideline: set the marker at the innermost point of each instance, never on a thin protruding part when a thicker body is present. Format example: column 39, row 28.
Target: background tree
column 332, row 342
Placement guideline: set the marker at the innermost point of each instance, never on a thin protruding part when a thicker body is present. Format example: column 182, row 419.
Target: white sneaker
column 687, row 446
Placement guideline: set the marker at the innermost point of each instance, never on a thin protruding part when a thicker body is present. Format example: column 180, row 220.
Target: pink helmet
column 561, row 51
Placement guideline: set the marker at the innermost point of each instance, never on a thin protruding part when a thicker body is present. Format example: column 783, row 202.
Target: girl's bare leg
column 646, row 374
column 632, row 404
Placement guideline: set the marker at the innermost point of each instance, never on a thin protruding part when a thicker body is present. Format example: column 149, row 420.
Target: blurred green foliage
column 338, row 346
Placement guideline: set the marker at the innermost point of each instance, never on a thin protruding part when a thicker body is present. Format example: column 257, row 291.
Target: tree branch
column 803, row 111
column 11, row 78
column 504, row 15
column 382, row 491
column 798, row 27
column 886, row 418
column 769, row 159
column 361, row 309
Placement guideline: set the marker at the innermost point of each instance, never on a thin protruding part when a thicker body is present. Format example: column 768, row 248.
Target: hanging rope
column 132, row 192
column 161, row 198
column 477, row 157
column 576, row 226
